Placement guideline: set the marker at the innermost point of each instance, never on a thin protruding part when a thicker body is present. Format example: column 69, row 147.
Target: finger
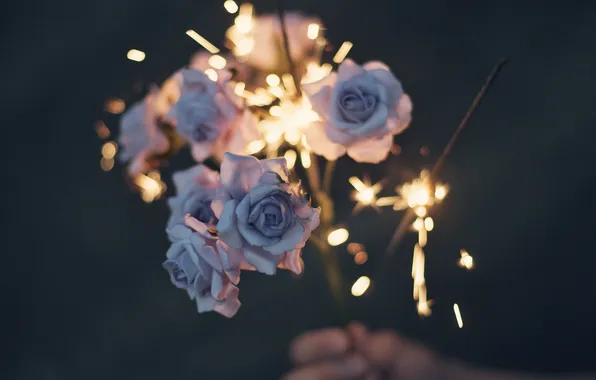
column 382, row 348
column 352, row 367
column 319, row 345
column 357, row 333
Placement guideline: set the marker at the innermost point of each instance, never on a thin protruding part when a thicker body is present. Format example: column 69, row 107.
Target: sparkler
column 282, row 120
column 365, row 194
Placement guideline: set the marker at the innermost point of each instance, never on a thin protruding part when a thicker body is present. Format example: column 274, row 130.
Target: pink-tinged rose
column 195, row 190
column 361, row 109
column 211, row 117
column 262, row 218
column 267, row 53
column 140, row 137
column 194, row 264
column 168, row 94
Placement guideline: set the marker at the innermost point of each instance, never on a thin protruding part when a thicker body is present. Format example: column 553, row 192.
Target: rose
column 211, row 117
column 361, row 109
column 194, row 265
column 195, row 188
column 140, row 137
column 262, row 218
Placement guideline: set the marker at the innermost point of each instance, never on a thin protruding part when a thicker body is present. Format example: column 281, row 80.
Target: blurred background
column 86, row 296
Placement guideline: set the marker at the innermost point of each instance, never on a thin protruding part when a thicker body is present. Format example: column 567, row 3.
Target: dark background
column 86, row 296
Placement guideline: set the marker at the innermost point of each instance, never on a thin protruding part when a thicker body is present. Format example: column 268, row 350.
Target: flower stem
column 328, row 176
column 286, row 43
column 328, row 254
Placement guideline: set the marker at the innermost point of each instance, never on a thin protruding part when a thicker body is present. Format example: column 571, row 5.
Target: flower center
column 202, row 212
column 199, row 133
column 179, row 275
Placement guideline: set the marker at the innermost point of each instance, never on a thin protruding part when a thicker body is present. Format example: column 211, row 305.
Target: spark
column 289, row 83
column 360, row 286
column 243, row 22
column 361, row 257
column 365, row 194
column 287, row 120
column 212, row 74
column 150, row 186
column 316, row 72
column 272, row 80
column 255, row 146
column 466, row 261
column 103, row 132
column 416, row 195
column 275, row 111
column 290, row 156
column 217, row 61
column 202, row 41
column 342, row 52
column 115, row 106
column 305, row 158
column 109, row 149
column 106, row 164
column 429, row 224
column 135, row 55
column 423, row 305
column 231, row 6
column 239, row 88
column 337, row 237
column 460, row 321
column 313, row 31
column 354, row 248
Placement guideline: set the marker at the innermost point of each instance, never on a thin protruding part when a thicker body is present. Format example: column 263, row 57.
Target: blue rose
column 194, row 264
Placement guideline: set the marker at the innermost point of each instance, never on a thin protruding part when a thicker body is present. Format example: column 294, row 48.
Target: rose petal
column 371, row 151
column 319, row 94
column 336, row 135
column 271, row 179
column 200, row 61
column 184, row 179
column 327, row 82
column 292, row 261
column 262, row 260
column 201, row 151
column 250, row 234
column 217, row 205
column 231, row 258
column 229, row 307
column 376, row 124
column 226, row 109
column 139, row 164
column 205, row 303
column 276, row 165
column 404, row 112
column 321, row 145
column 217, row 285
column 227, row 228
column 244, row 132
column 239, row 174
column 175, row 250
column 206, row 252
column 196, row 225
column 178, row 232
column 289, row 241
column 347, row 70
column 259, row 192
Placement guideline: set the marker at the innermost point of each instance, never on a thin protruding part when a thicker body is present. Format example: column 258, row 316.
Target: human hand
column 355, row 353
